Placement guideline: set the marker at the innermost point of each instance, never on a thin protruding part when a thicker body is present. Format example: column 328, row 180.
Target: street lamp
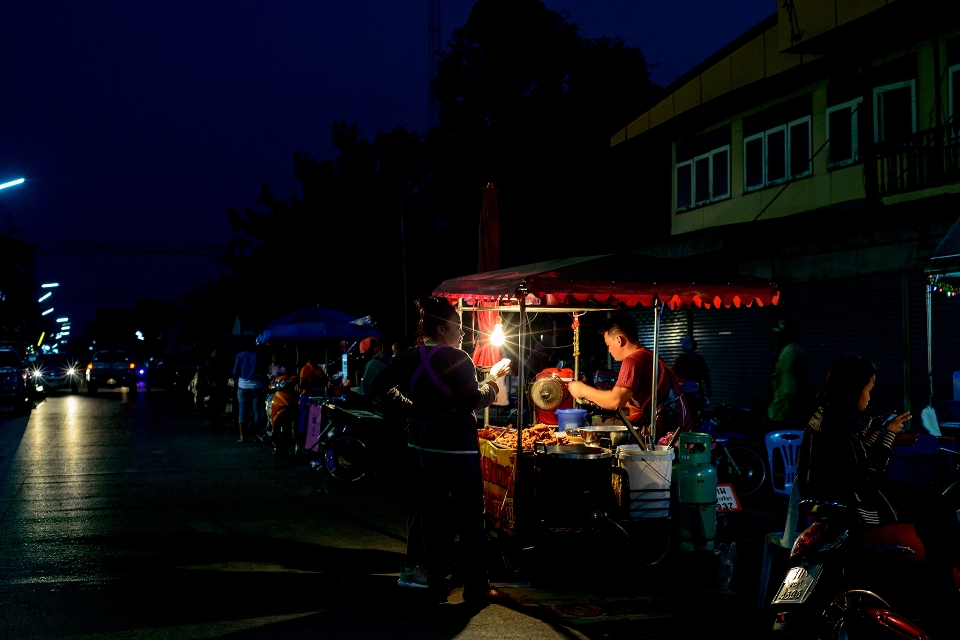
column 45, row 296
column 50, row 310
column 62, row 319
column 12, row 183
column 50, row 285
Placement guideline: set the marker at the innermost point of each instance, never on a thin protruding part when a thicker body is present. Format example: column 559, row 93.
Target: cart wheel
column 346, row 458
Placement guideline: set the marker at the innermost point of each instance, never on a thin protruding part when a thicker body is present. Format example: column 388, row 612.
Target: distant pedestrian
column 691, row 366
column 250, row 374
column 371, row 351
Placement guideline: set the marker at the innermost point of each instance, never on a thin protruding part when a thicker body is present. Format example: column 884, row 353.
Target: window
column 894, row 112
column 704, row 179
column 776, row 155
column 953, row 76
column 684, row 185
column 842, row 144
column 799, row 132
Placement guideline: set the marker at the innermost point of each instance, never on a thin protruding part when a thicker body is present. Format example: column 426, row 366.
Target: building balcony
column 924, row 160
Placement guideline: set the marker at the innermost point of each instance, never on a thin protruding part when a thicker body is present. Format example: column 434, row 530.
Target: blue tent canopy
column 317, row 323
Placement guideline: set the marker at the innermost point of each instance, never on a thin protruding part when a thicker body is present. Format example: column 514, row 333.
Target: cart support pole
column 929, row 345
column 576, row 345
column 521, row 403
column 657, row 307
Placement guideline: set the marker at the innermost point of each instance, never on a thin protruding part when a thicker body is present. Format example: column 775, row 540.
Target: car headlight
column 71, row 371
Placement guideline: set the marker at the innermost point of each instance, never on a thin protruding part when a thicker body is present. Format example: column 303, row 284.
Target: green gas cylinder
column 695, row 493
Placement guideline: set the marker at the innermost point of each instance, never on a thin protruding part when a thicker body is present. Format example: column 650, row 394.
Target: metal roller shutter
column 862, row 316
column 738, row 347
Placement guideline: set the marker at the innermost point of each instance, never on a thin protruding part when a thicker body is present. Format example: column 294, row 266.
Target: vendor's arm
column 615, row 398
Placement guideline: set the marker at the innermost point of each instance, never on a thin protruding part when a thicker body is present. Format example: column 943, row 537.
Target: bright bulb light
column 50, row 310
column 497, row 338
column 12, row 183
column 63, row 319
column 45, row 296
column 50, row 285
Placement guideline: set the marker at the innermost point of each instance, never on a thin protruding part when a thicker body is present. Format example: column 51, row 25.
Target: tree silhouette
column 524, row 102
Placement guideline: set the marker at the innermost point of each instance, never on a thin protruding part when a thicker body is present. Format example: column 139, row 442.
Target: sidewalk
column 597, row 582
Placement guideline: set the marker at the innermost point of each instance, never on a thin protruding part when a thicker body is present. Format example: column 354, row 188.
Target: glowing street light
column 50, row 285
column 12, row 183
column 50, row 310
column 45, row 296
column 62, row 319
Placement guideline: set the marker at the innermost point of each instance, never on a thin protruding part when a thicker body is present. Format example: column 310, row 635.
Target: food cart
column 619, row 281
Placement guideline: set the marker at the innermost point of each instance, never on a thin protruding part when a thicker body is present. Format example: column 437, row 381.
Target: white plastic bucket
column 650, row 474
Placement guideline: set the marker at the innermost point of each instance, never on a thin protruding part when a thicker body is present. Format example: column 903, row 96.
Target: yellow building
column 820, row 149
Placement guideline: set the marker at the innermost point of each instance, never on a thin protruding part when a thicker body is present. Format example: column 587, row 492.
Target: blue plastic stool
column 787, row 444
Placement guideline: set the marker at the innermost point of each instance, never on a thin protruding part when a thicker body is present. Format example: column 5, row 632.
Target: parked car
column 113, row 368
column 14, row 389
column 58, row 371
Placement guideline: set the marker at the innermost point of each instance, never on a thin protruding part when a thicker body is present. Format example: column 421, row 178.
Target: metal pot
column 610, row 435
column 572, row 451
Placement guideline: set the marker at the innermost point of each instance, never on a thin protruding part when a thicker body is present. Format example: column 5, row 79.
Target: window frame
column 808, row 120
column 676, row 185
column 767, row 182
column 692, row 163
column 763, row 161
column 714, row 198
column 892, row 87
column 693, row 186
column 854, row 106
column 951, row 107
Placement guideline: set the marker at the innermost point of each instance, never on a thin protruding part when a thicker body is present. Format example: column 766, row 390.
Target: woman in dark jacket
column 435, row 387
column 844, row 453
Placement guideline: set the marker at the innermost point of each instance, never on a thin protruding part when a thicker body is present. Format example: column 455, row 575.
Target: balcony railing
column 929, row 158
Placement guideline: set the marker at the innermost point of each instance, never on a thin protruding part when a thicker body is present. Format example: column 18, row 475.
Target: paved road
column 124, row 517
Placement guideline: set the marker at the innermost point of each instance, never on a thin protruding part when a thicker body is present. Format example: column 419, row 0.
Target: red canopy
column 611, row 280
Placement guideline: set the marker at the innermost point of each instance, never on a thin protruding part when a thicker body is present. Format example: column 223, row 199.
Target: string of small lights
column 942, row 287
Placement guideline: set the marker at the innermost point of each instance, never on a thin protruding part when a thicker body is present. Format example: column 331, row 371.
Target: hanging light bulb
column 497, row 338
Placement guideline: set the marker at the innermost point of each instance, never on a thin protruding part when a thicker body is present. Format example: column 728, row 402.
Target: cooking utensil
column 613, row 434
column 572, row 451
column 548, row 391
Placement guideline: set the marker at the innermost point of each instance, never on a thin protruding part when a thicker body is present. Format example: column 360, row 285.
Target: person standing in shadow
column 250, row 373
column 690, row 366
column 793, row 401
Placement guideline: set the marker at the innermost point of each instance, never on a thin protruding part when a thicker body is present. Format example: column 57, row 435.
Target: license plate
column 797, row 585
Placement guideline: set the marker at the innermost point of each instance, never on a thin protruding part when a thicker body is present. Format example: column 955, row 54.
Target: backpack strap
column 425, row 357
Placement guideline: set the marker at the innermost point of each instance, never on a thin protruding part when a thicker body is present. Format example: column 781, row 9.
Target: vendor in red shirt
column 633, row 386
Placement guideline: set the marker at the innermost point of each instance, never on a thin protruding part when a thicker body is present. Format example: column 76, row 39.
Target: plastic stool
column 780, row 539
column 787, row 444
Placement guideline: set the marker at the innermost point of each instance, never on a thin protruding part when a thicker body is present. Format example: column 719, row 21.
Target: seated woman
column 844, row 453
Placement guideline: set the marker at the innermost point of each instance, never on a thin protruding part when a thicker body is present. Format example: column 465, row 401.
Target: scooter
column 284, row 415
column 846, row 579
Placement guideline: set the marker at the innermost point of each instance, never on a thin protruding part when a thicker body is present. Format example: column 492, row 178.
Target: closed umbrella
column 485, row 353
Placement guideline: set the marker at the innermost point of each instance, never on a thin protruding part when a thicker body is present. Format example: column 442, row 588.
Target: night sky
column 137, row 125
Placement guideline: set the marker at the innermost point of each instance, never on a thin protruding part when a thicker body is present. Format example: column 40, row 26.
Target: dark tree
column 527, row 103
column 524, row 102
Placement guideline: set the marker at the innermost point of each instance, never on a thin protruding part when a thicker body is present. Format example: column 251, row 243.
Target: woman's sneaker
column 415, row 577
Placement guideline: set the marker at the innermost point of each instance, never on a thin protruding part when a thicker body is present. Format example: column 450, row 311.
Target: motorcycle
column 846, row 579
column 356, row 441
column 284, row 415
